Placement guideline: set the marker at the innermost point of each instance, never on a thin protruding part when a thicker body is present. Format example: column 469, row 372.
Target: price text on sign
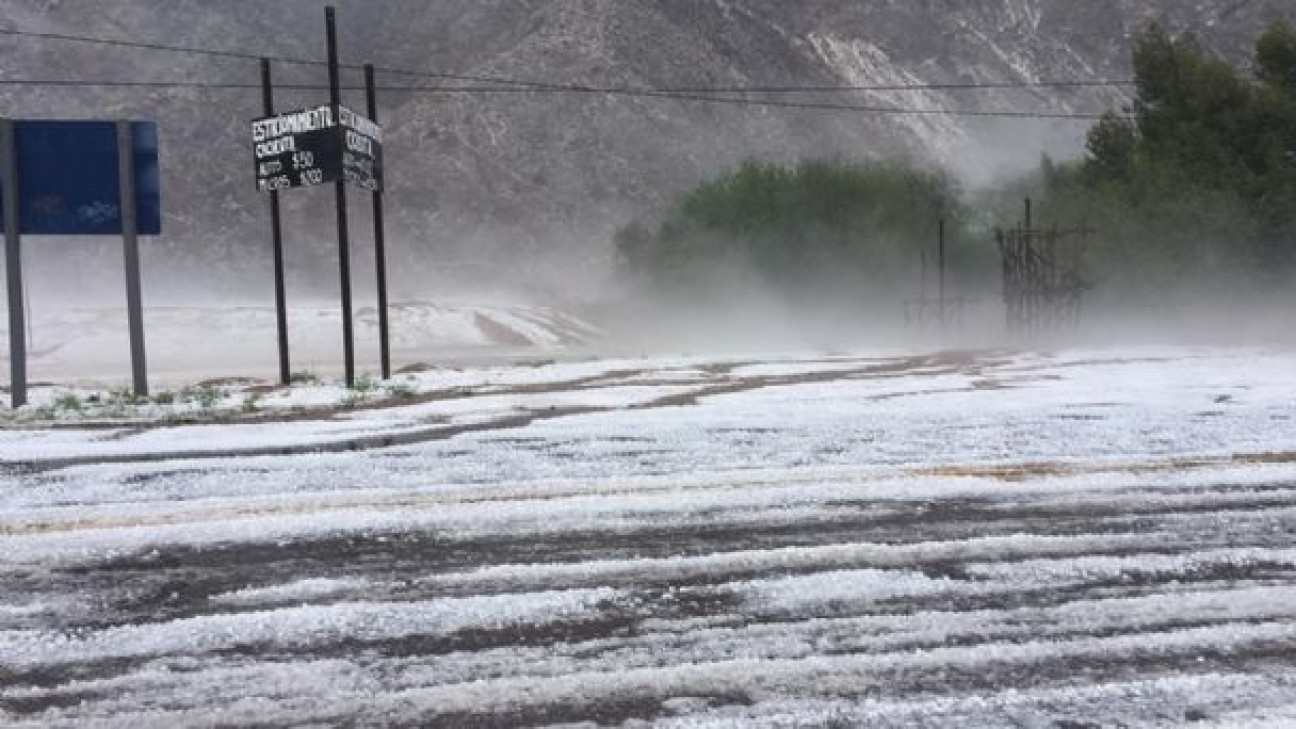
column 309, row 147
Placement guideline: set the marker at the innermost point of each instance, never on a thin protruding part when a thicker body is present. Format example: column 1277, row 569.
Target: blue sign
column 68, row 178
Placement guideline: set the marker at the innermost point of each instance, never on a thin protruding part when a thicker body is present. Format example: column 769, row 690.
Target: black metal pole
column 276, row 235
column 922, row 274
column 344, row 239
column 941, row 264
column 380, row 237
column 130, row 237
column 13, row 265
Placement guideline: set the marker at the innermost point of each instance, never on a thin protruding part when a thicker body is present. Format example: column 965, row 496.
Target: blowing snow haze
column 522, row 191
column 836, row 363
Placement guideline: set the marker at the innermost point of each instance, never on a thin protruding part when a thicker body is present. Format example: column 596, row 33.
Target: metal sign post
column 130, row 236
column 941, row 258
column 317, row 146
column 276, row 235
column 344, row 241
column 79, row 178
column 13, row 265
column 380, row 237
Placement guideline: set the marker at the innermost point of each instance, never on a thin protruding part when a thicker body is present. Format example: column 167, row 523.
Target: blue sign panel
column 68, row 178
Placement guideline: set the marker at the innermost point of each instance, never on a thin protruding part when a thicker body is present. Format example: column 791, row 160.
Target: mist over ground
column 517, row 199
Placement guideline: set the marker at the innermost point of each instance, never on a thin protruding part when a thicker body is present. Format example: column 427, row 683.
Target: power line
column 519, row 84
column 502, row 85
column 785, row 104
column 148, row 46
column 248, row 56
column 203, row 85
column 529, row 85
column 523, row 85
column 624, row 92
column 629, row 90
column 966, row 86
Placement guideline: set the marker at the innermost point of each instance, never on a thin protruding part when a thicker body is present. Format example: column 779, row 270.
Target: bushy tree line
column 817, row 226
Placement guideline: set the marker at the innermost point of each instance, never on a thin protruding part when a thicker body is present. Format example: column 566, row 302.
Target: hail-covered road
column 958, row 539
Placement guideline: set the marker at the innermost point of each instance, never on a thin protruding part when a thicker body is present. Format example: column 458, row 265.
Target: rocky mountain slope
column 528, row 185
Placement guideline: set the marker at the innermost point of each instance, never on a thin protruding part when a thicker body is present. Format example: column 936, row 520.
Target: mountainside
column 527, row 186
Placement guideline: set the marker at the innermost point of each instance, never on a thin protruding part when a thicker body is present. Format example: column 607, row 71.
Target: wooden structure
column 1043, row 275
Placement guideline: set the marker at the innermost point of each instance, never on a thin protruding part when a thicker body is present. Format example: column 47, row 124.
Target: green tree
column 1111, row 147
column 819, row 226
column 1276, row 57
column 1197, row 176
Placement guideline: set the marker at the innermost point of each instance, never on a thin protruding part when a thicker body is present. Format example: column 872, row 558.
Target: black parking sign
column 308, row 147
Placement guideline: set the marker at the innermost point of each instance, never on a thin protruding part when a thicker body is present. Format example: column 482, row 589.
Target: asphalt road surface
column 956, row 541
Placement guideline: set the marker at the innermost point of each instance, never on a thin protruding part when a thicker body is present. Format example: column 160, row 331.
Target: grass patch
column 69, row 402
column 400, row 391
column 205, row 396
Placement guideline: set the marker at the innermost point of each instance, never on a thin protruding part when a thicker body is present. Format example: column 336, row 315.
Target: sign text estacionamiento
column 277, row 135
